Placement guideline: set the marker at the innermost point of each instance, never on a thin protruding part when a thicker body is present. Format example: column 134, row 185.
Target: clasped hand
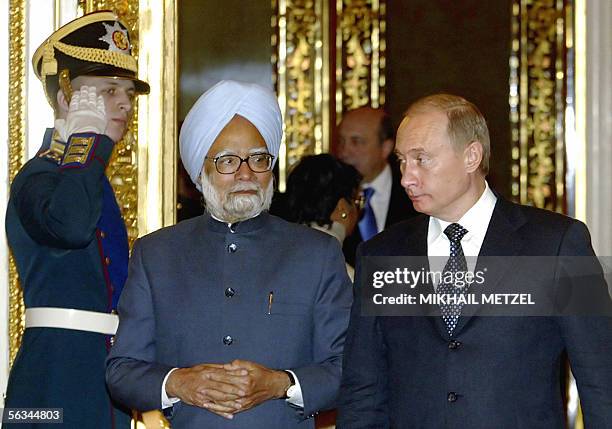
column 227, row 389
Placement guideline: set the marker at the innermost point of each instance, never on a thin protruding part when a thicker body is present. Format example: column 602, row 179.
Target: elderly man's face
column 243, row 194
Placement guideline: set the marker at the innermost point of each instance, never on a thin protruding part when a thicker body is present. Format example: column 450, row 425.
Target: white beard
column 233, row 207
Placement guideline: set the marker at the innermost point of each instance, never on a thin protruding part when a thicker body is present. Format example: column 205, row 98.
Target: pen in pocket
column 270, row 300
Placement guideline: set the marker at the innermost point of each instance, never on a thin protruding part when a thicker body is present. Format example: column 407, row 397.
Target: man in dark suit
column 366, row 141
column 464, row 369
column 233, row 319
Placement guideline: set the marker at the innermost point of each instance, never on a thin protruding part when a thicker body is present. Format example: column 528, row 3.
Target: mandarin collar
column 245, row 226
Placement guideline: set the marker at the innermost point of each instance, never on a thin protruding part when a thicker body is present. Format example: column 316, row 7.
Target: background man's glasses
column 229, row 164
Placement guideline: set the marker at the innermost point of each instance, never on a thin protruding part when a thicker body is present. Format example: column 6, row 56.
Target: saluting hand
column 86, row 114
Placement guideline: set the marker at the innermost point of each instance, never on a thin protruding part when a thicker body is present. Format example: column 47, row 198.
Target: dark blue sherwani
column 200, row 292
column 70, row 246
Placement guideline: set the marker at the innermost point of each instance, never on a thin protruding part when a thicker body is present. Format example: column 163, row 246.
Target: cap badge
column 117, row 38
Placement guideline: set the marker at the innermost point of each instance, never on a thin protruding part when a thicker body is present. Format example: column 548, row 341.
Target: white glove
column 86, row 114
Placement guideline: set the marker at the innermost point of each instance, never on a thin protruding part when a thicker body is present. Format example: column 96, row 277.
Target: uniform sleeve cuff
column 83, row 148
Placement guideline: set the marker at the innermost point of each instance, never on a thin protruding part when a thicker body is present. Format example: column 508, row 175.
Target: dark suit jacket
column 502, row 372
column 198, row 292
column 400, row 208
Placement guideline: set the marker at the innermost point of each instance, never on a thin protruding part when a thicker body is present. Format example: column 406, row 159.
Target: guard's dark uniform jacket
column 70, row 246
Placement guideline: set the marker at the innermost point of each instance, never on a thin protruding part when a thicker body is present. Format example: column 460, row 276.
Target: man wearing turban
column 235, row 318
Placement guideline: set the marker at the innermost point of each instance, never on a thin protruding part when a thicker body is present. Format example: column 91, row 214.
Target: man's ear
column 473, row 156
column 387, row 148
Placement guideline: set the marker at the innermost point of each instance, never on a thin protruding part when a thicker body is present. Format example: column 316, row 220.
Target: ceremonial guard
column 65, row 229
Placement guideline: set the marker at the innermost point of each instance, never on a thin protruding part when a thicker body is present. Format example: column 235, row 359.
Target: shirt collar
column 475, row 220
column 381, row 182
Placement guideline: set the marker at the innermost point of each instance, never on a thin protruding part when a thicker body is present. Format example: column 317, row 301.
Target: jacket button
column 232, row 248
column 228, row 340
column 107, row 260
column 229, row 292
column 452, row 397
column 453, row 345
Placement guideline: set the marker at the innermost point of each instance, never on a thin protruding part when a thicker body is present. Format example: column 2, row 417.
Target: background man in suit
column 237, row 313
column 365, row 141
column 462, row 369
column 65, row 228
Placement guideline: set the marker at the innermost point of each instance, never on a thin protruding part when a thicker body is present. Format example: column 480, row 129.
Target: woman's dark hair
column 315, row 185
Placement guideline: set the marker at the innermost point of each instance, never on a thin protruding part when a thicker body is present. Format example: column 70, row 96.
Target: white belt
column 68, row 318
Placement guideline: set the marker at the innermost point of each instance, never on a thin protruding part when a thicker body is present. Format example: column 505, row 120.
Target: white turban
column 215, row 108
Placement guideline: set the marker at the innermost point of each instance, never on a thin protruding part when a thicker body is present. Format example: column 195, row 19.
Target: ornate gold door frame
column 328, row 57
column 543, row 105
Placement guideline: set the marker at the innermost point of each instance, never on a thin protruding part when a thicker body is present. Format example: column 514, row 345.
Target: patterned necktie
column 367, row 224
column 456, row 263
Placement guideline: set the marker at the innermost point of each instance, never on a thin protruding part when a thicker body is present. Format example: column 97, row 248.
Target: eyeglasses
column 360, row 201
column 229, row 164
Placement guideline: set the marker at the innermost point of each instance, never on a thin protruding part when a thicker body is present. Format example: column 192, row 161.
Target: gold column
column 301, row 74
column 539, row 69
column 303, row 55
column 360, row 54
column 17, row 152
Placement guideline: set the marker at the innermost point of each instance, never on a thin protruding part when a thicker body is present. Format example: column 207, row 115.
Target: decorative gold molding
column 17, row 152
column 301, row 76
column 303, row 54
column 538, row 82
column 360, row 54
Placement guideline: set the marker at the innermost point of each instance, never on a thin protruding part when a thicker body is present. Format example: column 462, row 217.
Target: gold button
column 107, row 260
column 102, row 234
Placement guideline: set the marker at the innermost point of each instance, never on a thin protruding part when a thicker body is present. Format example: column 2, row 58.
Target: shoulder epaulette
column 54, row 153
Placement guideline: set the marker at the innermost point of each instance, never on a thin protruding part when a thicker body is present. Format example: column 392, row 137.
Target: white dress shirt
column 382, row 195
column 475, row 220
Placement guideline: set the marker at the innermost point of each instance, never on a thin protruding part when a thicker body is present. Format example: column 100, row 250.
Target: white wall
column 599, row 124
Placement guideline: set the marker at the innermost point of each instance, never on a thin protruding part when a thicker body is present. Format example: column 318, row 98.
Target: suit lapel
column 501, row 240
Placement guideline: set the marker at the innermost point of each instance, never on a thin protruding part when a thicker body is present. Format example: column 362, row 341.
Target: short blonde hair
column 465, row 122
